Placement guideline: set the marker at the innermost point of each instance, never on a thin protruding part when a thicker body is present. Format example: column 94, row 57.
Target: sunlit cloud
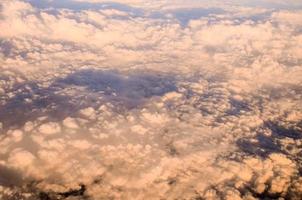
column 143, row 99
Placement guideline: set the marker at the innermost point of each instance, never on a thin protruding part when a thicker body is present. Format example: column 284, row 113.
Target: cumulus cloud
column 150, row 99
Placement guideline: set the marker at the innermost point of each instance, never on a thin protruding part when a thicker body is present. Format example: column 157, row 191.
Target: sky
column 141, row 99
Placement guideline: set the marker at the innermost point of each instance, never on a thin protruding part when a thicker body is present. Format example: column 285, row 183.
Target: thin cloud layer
column 150, row 100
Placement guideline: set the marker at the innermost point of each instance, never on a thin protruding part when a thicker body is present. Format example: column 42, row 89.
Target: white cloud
column 21, row 159
column 124, row 102
column 50, row 128
column 70, row 123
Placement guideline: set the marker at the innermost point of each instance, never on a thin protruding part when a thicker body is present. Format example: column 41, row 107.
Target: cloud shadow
column 78, row 5
column 266, row 145
column 185, row 15
column 84, row 88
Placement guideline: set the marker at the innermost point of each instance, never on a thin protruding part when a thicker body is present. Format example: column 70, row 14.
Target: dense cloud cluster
column 150, row 99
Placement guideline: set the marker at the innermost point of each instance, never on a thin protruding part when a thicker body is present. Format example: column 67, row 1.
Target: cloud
column 150, row 99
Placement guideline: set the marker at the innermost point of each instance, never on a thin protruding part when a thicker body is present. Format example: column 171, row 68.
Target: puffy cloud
column 150, row 99
column 21, row 159
column 49, row 128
